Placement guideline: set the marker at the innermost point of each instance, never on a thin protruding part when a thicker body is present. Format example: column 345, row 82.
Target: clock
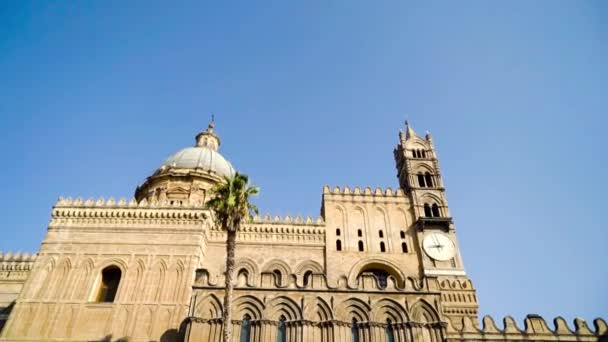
column 438, row 246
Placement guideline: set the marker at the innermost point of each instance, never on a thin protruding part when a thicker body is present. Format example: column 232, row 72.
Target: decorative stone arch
column 306, row 266
column 323, row 311
column 85, row 277
column 415, row 142
column 431, row 199
column 387, row 308
column 250, row 305
column 353, row 308
column 43, row 276
column 60, row 278
column 283, row 306
column 423, row 312
column 208, row 307
column 422, row 168
column 376, row 263
column 282, row 267
column 250, row 266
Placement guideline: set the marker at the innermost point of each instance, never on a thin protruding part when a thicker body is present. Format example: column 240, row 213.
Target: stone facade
column 377, row 265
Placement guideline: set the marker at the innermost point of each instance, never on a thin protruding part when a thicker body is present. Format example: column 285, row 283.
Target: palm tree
column 230, row 205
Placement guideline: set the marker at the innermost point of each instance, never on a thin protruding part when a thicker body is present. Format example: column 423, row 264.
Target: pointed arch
column 323, row 311
column 423, row 312
column 208, row 307
column 250, row 305
column 353, row 308
column 430, row 198
column 284, row 306
column 387, row 308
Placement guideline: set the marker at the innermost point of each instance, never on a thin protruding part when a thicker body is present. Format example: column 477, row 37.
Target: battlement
column 287, row 219
column 122, row 203
column 367, row 191
column 16, row 261
column 535, row 328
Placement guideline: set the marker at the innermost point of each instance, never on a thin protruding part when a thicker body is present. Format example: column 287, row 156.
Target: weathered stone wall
column 14, row 270
column 156, row 248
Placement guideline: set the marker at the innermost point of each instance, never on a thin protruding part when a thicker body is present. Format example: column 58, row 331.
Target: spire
column 409, row 131
column 208, row 138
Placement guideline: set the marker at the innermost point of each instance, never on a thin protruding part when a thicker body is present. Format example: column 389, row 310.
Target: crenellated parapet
column 277, row 229
column 535, row 328
column 101, row 212
column 366, row 191
column 16, row 265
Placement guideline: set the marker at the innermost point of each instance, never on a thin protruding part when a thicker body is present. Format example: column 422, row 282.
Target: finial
column 409, row 130
column 212, row 123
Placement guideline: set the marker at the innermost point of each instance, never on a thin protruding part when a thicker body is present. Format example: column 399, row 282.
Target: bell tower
column 437, row 246
column 420, row 178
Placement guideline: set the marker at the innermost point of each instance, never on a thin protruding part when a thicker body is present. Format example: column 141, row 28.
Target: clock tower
column 436, row 243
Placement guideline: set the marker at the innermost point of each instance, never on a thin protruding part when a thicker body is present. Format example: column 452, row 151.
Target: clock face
column 438, row 246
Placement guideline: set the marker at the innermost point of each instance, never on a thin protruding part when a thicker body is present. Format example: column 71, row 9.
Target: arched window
column 404, row 247
column 277, row 277
column 354, row 330
column 242, row 277
column 402, row 234
column 388, row 331
column 307, row 276
column 337, row 231
column 359, row 233
column 110, row 278
column 282, row 330
column 436, row 210
column 360, row 246
column 380, row 233
column 423, row 154
column 421, row 182
column 382, row 247
column 427, row 210
column 338, row 245
column 381, row 277
column 246, row 328
column 428, row 178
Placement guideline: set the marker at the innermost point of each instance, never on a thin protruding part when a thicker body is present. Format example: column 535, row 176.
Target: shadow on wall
column 171, row 335
column 603, row 338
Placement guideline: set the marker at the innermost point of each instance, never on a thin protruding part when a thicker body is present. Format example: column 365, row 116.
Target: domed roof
column 204, row 158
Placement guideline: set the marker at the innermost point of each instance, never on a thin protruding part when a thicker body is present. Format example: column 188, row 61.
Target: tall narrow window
column 307, row 276
column 242, row 277
column 413, row 153
column 380, row 233
column 427, row 210
column 382, row 247
column 421, row 182
column 381, row 277
column 110, row 278
column 359, row 233
column 388, row 331
column 354, row 330
column 402, row 234
column 282, row 330
column 246, row 328
column 277, row 277
column 338, row 245
column 436, row 210
column 337, row 231
column 360, row 246
column 404, row 247
column 428, row 178
column 423, row 154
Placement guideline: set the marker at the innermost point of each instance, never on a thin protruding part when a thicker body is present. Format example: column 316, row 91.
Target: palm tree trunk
column 230, row 248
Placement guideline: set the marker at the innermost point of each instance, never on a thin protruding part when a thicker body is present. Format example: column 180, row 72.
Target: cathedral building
column 376, row 265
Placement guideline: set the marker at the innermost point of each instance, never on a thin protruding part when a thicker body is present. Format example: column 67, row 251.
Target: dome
column 200, row 157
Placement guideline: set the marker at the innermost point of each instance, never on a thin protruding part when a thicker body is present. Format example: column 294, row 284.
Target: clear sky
column 94, row 95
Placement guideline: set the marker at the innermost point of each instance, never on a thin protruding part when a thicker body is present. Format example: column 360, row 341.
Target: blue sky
column 94, row 95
